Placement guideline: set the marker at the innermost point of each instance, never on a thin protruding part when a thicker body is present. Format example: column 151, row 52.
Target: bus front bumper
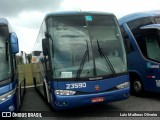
column 9, row 105
column 66, row 102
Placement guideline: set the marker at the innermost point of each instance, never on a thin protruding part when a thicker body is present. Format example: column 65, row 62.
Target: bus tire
column 137, row 86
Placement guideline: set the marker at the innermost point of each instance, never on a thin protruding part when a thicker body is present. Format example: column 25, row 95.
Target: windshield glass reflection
column 71, row 36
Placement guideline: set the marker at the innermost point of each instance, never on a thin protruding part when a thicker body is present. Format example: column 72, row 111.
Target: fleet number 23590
column 75, row 85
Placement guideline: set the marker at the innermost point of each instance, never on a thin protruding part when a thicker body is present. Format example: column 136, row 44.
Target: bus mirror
column 44, row 47
column 14, row 43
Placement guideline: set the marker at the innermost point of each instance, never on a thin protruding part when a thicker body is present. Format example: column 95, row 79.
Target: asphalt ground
column 34, row 102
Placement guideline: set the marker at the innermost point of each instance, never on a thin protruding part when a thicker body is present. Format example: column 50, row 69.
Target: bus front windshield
column 88, row 45
column 5, row 69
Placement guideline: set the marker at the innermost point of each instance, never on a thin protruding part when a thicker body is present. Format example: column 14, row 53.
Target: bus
column 141, row 33
column 11, row 91
column 84, row 60
column 35, row 56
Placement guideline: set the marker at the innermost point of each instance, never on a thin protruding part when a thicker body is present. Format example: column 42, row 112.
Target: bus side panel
column 139, row 65
column 152, row 77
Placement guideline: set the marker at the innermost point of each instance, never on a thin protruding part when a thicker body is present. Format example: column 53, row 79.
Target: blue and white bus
column 141, row 32
column 35, row 56
column 10, row 88
column 83, row 61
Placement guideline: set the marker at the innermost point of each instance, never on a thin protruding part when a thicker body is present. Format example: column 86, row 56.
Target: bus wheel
column 137, row 87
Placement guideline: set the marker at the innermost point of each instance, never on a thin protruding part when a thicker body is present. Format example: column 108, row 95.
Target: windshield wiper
column 101, row 52
column 83, row 61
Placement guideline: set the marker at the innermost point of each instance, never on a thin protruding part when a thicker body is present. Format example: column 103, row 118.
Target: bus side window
column 128, row 45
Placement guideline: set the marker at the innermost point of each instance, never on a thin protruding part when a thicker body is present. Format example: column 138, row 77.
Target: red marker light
column 150, row 76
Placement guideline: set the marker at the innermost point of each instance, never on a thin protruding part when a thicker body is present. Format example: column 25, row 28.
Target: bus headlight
column 64, row 92
column 7, row 95
column 123, row 85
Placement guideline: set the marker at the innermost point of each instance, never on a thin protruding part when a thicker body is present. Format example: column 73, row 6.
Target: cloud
column 27, row 38
column 25, row 16
column 14, row 7
column 27, row 25
column 118, row 7
column 28, row 19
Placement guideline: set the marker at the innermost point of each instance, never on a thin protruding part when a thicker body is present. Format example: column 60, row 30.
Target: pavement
column 34, row 102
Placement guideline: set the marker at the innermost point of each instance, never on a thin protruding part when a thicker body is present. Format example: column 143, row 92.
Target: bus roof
column 76, row 13
column 3, row 21
column 137, row 15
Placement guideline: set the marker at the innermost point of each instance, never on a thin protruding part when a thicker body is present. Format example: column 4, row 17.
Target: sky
column 26, row 16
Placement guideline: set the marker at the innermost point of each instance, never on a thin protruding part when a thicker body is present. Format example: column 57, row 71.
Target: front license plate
column 98, row 99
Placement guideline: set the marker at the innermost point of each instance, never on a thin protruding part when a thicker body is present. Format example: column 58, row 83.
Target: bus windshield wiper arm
column 101, row 52
column 82, row 62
